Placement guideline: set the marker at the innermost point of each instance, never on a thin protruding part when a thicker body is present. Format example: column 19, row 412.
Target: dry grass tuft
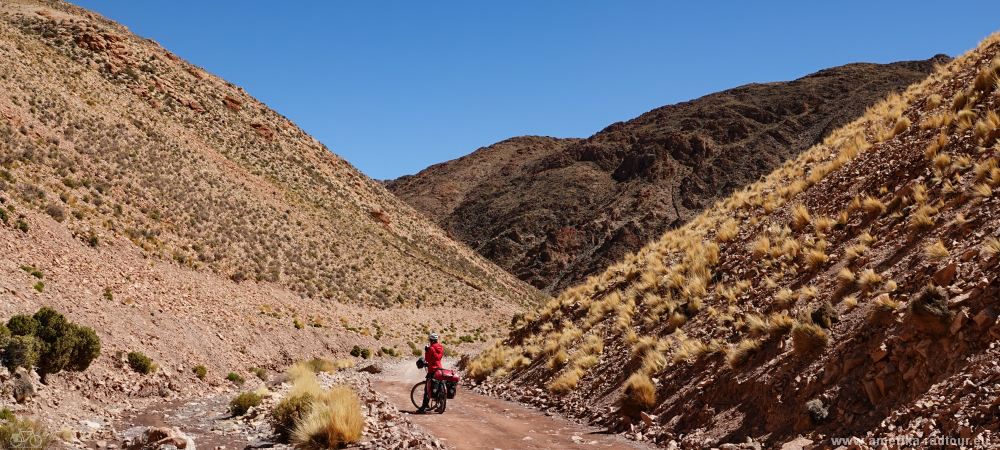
column 738, row 354
column 808, row 338
column 334, row 420
column 872, row 205
column 567, row 381
column 640, row 392
column 728, row 230
column 991, row 246
column 800, row 217
column 868, row 279
column 936, row 250
column 922, row 218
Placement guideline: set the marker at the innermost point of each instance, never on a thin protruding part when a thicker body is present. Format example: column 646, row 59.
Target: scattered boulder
column 818, row 412
column 157, row 438
column 24, row 386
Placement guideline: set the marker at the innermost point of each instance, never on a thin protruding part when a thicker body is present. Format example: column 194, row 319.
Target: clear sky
column 395, row 86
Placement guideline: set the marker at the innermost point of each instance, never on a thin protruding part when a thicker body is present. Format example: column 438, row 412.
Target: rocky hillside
column 853, row 292
column 180, row 217
column 552, row 211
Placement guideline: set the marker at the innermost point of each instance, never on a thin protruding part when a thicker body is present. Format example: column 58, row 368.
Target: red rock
column 946, row 275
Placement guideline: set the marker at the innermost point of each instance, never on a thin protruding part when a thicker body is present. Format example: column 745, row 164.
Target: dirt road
column 474, row 421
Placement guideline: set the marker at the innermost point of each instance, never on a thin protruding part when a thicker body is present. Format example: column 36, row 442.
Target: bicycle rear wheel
column 442, row 401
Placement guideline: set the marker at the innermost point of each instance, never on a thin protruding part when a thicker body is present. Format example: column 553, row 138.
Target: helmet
column 433, row 337
column 420, row 363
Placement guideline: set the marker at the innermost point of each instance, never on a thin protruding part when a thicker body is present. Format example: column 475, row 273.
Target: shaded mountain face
column 553, row 211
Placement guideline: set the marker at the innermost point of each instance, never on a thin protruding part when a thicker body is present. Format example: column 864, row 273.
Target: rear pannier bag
column 450, row 379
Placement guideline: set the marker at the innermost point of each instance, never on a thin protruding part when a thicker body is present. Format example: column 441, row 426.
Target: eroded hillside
column 113, row 135
column 852, row 292
column 553, row 211
column 181, row 218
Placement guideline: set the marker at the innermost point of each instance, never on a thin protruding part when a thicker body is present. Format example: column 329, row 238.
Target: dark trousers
column 427, row 390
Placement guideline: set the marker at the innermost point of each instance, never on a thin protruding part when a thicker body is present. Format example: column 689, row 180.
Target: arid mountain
column 853, row 292
column 552, row 211
column 180, row 217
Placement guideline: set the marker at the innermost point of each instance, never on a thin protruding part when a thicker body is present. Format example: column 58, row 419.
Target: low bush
column 243, row 402
column 200, row 371
column 260, row 372
column 22, row 325
column 288, row 412
column 50, row 342
column 235, row 378
column 141, row 363
column 21, row 351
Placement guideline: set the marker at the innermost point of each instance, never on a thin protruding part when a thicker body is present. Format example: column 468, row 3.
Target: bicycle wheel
column 417, row 394
column 442, row 401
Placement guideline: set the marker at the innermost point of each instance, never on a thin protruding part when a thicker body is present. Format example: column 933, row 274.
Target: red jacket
column 432, row 356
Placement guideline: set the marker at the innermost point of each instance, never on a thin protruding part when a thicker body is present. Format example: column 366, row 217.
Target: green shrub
column 356, row 351
column 141, row 363
column 55, row 344
column 298, row 324
column 288, row 412
column 4, row 335
column 243, row 402
column 6, row 414
column 200, row 371
column 22, row 325
column 389, row 351
column 39, row 286
column 33, row 271
column 21, row 351
column 235, row 378
column 260, row 372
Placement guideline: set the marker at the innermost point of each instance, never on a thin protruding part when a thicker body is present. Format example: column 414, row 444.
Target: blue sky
column 395, row 86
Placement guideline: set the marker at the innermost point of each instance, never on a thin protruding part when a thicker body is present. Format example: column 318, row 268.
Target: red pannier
column 445, row 375
column 450, row 380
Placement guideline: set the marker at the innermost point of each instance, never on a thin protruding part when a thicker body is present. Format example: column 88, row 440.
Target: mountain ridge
column 555, row 210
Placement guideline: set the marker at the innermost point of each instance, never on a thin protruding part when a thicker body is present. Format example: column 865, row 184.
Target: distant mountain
column 553, row 211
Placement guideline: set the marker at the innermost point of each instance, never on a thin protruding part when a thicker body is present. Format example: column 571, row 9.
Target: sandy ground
column 473, row 421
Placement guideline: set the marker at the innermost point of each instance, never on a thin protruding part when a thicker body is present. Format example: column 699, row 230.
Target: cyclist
column 433, row 353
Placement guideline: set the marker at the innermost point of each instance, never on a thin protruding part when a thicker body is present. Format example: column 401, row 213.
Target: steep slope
column 114, row 135
column 852, row 292
column 180, row 217
column 552, row 211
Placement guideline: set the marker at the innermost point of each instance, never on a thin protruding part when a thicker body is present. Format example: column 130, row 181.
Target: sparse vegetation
column 235, row 378
column 141, row 363
column 808, row 338
column 200, row 371
column 50, row 343
column 243, row 402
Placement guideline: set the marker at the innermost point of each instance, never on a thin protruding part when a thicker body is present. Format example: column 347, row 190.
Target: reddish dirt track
column 473, row 421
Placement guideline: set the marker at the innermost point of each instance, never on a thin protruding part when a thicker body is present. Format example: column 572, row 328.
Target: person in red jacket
column 433, row 353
